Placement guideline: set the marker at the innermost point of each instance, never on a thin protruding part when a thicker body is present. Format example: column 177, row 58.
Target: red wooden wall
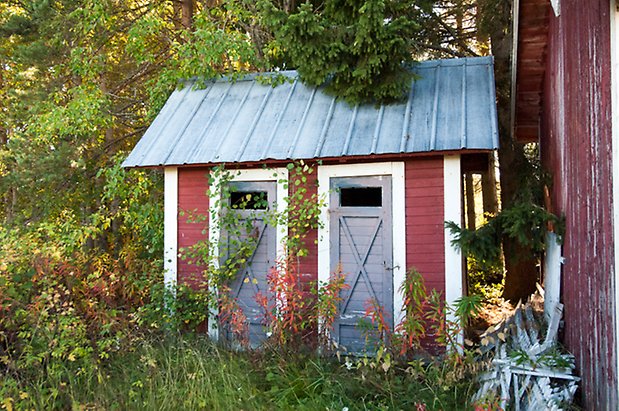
column 308, row 266
column 425, row 235
column 193, row 199
column 425, row 249
column 576, row 148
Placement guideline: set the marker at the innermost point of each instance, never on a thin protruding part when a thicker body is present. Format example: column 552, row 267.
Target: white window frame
column 396, row 171
column 278, row 175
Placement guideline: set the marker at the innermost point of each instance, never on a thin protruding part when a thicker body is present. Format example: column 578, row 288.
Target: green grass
column 189, row 373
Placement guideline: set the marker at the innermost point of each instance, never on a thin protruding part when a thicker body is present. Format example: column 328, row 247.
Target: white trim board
column 552, row 275
column 452, row 198
column 556, row 7
column 280, row 175
column 396, row 171
column 170, row 226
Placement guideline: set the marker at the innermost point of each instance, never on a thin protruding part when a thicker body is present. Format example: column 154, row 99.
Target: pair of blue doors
column 360, row 237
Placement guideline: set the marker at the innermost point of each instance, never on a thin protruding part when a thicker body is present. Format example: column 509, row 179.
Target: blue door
column 361, row 249
column 250, row 202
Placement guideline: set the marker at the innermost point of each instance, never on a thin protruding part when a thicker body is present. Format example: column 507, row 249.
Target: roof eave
column 530, row 41
column 340, row 159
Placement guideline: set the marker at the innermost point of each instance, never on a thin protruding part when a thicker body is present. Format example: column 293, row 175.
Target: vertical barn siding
column 192, row 197
column 425, row 235
column 576, row 148
column 308, row 266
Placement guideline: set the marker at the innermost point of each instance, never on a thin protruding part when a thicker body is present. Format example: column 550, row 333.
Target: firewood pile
column 528, row 370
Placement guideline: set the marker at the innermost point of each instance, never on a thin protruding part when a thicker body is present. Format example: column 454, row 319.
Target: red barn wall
column 576, row 148
column 192, row 199
column 425, row 235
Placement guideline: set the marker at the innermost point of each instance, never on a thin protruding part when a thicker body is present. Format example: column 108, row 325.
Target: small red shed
column 390, row 176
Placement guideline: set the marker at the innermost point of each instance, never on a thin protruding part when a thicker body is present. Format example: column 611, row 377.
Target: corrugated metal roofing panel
column 451, row 106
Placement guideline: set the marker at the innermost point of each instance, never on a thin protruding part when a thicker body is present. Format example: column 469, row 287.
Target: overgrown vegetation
column 484, row 280
column 74, row 345
column 81, row 331
column 522, row 226
column 193, row 373
column 52, row 358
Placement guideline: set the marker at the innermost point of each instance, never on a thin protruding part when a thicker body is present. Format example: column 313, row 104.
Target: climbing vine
column 292, row 308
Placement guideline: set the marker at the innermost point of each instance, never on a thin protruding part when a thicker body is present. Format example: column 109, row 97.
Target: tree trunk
column 187, row 14
column 488, row 188
column 470, row 201
column 521, row 271
column 520, row 264
column 289, row 5
column 9, row 197
column 176, row 14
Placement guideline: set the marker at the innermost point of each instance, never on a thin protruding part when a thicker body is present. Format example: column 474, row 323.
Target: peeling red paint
column 576, row 148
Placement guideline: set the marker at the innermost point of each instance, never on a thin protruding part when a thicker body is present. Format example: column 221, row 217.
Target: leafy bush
column 485, row 280
column 68, row 300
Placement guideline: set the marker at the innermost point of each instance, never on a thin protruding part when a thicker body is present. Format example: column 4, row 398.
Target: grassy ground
column 192, row 373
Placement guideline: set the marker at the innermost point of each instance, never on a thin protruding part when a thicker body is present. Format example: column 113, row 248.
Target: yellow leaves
column 7, row 403
column 241, row 66
column 148, row 361
column 487, row 340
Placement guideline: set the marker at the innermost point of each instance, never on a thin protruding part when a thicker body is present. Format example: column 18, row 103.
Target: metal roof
column 451, row 106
